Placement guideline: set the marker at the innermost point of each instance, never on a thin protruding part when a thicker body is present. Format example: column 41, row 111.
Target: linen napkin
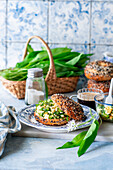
column 9, row 123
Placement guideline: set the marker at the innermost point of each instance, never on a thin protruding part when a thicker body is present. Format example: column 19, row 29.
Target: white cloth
column 9, row 123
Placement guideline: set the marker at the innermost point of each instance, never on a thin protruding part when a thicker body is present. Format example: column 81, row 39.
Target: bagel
column 51, row 122
column 101, row 85
column 58, row 111
column 70, row 107
column 99, row 70
column 48, row 113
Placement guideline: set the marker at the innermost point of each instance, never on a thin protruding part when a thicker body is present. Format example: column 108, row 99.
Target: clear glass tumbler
column 86, row 96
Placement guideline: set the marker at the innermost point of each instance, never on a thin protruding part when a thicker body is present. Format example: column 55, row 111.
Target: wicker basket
column 55, row 85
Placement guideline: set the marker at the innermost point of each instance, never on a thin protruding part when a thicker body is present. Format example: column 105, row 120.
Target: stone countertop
column 40, row 153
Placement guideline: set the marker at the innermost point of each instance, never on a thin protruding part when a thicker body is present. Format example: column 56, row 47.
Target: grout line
column 101, row 44
column 90, row 28
column 28, row 0
column 60, row 43
column 6, row 41
column 48, row 23
column 68, row 0
column 90, row 22
column 90, row 51
column 82, row 44
column 6, row 33
column 52, row 0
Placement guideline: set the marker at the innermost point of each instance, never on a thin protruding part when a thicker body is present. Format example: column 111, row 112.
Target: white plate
column 26, row 116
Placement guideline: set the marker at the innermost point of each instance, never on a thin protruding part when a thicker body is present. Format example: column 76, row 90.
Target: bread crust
column 51, row 122
column 99, row 70
column 70, row 107
column 103, row 85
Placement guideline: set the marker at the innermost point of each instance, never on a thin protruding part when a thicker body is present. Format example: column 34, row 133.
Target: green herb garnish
column 47, row 107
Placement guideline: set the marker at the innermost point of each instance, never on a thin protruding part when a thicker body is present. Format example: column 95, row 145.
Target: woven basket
column 55, row 85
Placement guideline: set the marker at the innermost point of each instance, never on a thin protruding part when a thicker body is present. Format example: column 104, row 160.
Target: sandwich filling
column 49, row 110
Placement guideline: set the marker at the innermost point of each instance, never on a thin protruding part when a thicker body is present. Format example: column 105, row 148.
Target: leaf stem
column 92, row 117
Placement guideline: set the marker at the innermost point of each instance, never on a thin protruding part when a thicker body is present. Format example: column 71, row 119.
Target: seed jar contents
column 35, row 86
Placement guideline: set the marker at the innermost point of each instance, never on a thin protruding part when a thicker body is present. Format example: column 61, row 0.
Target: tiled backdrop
column 85, row 26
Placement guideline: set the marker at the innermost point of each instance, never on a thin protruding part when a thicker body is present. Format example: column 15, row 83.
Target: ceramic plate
column 26, row 116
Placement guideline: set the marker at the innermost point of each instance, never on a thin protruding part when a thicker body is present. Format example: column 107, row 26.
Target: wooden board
column 105, row 133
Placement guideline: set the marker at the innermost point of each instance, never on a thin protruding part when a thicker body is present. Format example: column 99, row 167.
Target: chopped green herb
column 49, row 108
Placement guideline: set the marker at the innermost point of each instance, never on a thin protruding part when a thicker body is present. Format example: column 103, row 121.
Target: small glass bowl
column 108, row 57
column 103, row 109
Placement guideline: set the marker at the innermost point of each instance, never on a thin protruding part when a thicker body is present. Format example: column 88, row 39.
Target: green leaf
column 82, row 61
column 46, row 90
column 77, row 139
column 66, row 56
column 74, row 60
column 27, row 59
column 29, row 48
column 89, row 137
column 67, row 66
column 67, row 145
column 67, row 63
column 43, row 48
column 75, row 142
column 88, row 54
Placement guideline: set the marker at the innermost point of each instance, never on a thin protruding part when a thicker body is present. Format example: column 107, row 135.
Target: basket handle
column 51, row 75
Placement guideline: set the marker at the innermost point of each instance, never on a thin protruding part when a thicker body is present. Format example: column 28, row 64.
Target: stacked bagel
column 99, row 74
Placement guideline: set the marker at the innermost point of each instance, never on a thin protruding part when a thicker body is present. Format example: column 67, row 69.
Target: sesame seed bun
column 51, row 122
column 70, row 107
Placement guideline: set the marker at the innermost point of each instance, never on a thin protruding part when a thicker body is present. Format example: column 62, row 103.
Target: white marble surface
column 40, row 153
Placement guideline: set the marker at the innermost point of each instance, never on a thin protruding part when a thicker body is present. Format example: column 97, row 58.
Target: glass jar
column 35, row 86
column 108, row 57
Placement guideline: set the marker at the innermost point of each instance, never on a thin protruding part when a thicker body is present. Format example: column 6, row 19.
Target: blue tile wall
column 71, row 19
column 102, row 22
column 15, row 51
column 98, row 51
column 79, row 48
column 2, row 20
column 26, row 18
column 85, row 26
column 3, row 58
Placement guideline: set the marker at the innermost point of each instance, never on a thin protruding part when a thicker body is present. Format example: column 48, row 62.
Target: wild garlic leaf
column 67, row 63
column 46, row 90
column 89, row 137
column 29, row 48
column 78, row 139
column 74, row 60
column 75, row 142
column 67, row 145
